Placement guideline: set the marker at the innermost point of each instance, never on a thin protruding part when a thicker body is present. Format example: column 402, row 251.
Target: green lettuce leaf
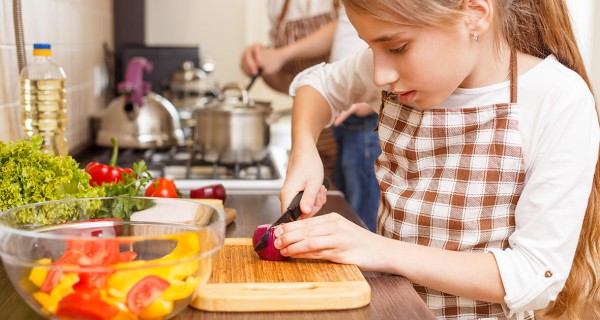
column 28, row 175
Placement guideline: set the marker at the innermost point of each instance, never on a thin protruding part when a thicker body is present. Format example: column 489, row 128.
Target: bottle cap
column 42, row 49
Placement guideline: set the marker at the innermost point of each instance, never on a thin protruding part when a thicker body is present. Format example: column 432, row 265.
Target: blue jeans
column 358, row 147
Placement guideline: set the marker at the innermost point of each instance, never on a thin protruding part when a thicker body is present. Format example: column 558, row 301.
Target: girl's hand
column 304, row 173
column 330, row 237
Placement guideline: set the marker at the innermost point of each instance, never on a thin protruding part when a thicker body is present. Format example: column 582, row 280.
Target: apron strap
column 283, row 12
column 514, row 76
column 336, row 5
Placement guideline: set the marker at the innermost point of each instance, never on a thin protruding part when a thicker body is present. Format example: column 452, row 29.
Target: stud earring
column 475, row 36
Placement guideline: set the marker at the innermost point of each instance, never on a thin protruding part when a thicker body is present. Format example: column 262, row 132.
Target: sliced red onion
column 270, row 252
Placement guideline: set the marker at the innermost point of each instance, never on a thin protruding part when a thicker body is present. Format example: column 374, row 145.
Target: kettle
column 139, row 118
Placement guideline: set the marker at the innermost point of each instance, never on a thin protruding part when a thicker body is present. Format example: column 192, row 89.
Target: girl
column 490, row 143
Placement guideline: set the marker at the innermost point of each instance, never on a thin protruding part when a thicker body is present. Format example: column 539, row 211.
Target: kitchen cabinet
column 392, row 297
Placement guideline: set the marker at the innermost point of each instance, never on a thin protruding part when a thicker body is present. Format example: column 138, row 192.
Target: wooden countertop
column 392, row 297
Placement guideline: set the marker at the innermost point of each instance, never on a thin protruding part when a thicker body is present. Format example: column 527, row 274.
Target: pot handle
column 242, row 94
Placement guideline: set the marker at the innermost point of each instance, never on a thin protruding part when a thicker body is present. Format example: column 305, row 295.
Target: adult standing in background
column 352, row 166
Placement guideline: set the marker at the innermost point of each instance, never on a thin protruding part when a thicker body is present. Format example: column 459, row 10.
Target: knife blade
column 292, row 213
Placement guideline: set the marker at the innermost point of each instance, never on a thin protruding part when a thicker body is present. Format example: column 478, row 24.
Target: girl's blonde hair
column 538, row 28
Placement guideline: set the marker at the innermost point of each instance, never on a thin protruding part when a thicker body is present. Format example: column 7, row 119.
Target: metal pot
column 235, row 128
column 139, row 118
column 187, row 89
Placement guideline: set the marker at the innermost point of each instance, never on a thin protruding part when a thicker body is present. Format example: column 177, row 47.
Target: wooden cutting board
column 241, row 281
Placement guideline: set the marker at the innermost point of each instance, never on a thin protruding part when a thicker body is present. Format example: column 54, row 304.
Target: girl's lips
column 407, row 96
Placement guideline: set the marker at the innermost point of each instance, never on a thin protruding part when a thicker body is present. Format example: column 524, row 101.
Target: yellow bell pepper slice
column 180, row 289
column 158, row 309
column 48, row 303
column 38, row 274
column 65, row 286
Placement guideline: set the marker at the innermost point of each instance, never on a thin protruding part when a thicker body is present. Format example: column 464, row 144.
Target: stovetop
column 191, row 168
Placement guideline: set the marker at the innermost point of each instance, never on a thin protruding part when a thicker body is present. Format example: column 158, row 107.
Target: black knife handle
column 295, row 204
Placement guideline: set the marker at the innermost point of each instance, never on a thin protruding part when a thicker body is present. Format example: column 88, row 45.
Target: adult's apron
column 451, row 179
column 289, row 31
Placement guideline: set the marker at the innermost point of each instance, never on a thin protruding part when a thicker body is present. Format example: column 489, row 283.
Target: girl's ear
column 479, row 15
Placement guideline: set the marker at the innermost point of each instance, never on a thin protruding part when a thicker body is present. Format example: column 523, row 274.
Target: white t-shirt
column 346, row 40
column 560, row 137
column 298, row 9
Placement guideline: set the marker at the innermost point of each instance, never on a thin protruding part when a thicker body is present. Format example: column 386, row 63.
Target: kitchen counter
column 392, row 297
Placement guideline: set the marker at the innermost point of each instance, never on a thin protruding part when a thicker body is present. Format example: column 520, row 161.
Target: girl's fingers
column 300, row 230
column 313, row 248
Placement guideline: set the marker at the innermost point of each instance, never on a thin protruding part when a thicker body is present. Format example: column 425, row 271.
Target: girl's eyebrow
column 388, row 37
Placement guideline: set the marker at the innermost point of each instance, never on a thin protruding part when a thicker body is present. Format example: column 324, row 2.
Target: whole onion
column 270, row 252
column 214, row 191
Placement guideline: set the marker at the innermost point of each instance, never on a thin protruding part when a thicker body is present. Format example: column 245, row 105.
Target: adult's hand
column 249, row 62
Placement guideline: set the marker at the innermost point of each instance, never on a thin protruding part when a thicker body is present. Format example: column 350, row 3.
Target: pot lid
column 187, row 73
column 234, row 99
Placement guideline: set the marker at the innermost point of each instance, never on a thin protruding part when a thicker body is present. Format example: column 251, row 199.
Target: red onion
column 214, row 191
column 270, row 252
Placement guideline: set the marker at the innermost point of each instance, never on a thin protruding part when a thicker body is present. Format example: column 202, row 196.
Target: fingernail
column 277, row 243
column 307, row 208
column 278, row 232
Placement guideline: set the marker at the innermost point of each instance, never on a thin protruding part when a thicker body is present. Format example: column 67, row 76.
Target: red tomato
column 144, row 292
column 162, row 187
column 85, row 305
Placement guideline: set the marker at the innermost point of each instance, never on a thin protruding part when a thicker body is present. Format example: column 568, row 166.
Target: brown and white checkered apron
column 450, row 179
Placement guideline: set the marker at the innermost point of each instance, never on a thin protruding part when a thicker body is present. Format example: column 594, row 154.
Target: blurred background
column 90, row 39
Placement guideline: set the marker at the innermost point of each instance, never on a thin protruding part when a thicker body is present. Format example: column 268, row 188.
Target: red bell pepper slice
column 84, row 304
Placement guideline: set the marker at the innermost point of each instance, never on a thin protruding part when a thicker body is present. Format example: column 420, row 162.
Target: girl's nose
column 384, row 72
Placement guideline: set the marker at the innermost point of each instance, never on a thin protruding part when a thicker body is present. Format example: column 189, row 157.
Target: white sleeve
column 564, row 142
column 343, row 82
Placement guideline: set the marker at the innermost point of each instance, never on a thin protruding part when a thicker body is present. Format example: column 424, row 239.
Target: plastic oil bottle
column 43, row 101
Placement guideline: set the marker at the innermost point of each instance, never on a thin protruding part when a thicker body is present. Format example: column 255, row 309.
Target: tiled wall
column 76, row 29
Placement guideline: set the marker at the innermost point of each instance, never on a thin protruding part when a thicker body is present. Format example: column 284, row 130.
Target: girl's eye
column 398, row 50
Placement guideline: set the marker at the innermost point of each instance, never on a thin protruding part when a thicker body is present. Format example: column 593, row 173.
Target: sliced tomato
column 127, row 256
column 100, row 252
column 85, row 305
column 92, row 280
column 86, row 253
column 51, row 280
column 70, row 257
column 144, row 292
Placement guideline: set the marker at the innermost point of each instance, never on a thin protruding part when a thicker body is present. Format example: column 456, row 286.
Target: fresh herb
column 132, row 183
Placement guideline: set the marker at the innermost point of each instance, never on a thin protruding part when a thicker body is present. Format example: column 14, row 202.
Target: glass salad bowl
column 110, row 258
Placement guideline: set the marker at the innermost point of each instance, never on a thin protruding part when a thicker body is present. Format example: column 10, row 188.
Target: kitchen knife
column 292, row 213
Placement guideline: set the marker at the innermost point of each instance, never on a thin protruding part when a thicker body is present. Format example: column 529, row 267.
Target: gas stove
column 191, row 168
